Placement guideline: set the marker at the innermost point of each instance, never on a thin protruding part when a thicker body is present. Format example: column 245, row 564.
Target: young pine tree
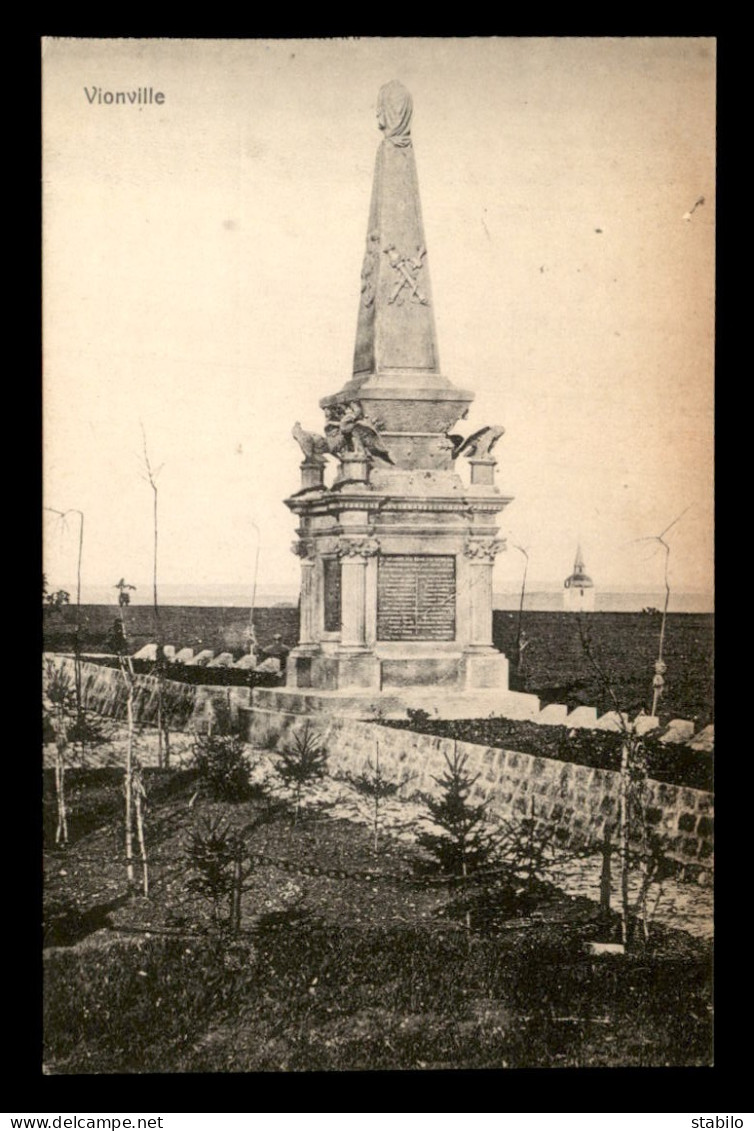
column 377, row 787
column 301, row 764
column 219, row 863
column 464, row 844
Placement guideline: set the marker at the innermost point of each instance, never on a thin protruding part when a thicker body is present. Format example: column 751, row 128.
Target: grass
column 333, row 973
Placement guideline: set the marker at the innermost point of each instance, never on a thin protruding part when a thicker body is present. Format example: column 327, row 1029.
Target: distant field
column 625, row 645
column 185, row 626
column 555, row 667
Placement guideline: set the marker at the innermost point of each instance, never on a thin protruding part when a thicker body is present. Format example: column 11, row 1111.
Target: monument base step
column 395, row 703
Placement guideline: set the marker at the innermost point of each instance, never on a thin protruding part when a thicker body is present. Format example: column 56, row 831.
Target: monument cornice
column 387, row 392
column 329, row 504
column 490, row 505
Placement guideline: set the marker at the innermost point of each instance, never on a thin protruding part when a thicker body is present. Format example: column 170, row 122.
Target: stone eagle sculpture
column 349, row 431
column 479, row 444
column 314, row 447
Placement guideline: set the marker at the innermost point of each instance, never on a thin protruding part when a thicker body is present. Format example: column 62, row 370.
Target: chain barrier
column 363, row 875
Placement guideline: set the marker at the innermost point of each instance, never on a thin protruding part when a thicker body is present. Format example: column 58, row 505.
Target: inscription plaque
column 416, row 597
column 331, row 567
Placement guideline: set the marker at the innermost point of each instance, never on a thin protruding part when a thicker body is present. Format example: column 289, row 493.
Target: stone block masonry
column 580, row 801
column 196, row 708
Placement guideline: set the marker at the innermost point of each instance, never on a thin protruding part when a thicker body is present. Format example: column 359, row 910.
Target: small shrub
column 215, row 854
column 223, row 767
column 418, row 718
column 527, row 846
column 88, row 729
column 493, row 902
column 222, row 716
column 270, row 740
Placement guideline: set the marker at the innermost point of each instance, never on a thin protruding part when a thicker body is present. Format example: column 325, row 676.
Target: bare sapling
column 656, row 871
column 61, row 742
column 629, row 742
column 521, row 641
column 59, row 695
column 650, row 856
column 605, row 877
column 163, row 735
column 133, row 784
column 658, row 681
column 140, row 798
column 80, row 728
column 377, row 787
column 133, row 787
column 127, row 672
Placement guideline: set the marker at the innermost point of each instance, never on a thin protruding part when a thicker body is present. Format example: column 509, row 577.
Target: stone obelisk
column 397, row 552
column 396, row 369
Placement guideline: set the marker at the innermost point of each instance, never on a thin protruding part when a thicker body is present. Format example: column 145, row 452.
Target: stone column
column 353, row 554
column 305, row 552
column 481, row 554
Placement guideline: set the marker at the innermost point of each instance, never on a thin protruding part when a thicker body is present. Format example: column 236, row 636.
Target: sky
column 201, row 279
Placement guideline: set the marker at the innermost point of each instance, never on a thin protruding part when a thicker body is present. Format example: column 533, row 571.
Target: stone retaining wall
column 581, row 801
column 104, row 691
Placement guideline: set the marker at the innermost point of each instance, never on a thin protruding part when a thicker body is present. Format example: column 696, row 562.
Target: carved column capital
column 358, row 548
column 304, row 550
column 483, row 550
